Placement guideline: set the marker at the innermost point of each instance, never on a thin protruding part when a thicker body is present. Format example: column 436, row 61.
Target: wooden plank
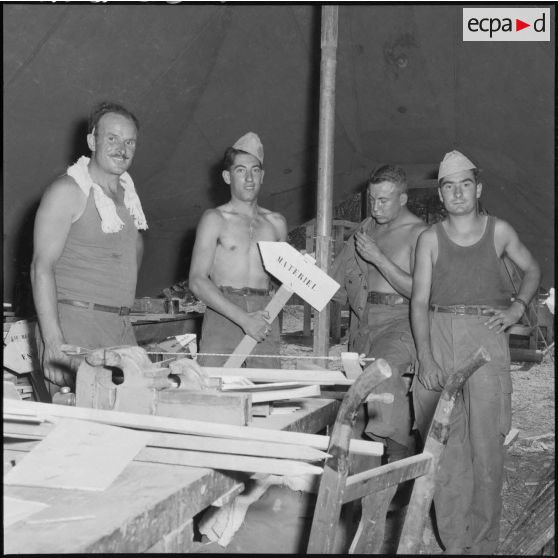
column 78, row 454
column 186, row 442
column 16, row 509
column 284, row 394
column 180, row 426
column 230, row 408
column 390, row 474
column 247, row 344
column 244, row 463
column 322, row 377
column 260, row 387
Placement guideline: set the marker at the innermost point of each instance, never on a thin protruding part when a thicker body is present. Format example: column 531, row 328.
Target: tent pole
column 325, row 164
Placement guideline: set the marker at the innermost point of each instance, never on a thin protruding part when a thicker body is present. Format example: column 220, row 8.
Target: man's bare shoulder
column 215, row 215
column 427, row 236
column 418, row 227
column 65, row 186
column 64, row 193
column 502, row 228
column 272, row 216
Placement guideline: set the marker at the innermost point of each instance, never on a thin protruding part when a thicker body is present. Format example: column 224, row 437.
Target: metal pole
column 325, row 163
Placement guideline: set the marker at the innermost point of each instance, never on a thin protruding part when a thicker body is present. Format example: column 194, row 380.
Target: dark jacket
column 351, row 272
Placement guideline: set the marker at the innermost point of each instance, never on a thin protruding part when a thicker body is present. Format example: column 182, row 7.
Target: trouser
column 221, row 336
column 90, row 329
column 385, row 333
column 468, row 499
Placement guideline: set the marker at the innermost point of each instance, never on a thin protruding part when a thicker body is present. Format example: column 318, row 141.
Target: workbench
column 149, row 507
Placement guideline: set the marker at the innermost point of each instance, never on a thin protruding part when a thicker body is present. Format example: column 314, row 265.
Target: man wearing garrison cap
column 461, row 301
column 226, row 271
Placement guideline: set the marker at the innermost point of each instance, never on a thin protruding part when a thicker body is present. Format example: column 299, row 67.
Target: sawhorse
column 376, row 487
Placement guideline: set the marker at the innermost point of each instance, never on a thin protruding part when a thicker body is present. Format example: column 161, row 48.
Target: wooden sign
column 298, row 272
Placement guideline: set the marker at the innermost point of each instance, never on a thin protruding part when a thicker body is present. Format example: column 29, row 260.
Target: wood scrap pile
column 181, row 441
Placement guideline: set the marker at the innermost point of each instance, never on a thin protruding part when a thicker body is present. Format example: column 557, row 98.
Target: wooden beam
column 192, row 443
column 321, row 377
column 245, row 463
column 213, row 460
column 181, row 426
column 391, row 474
column 325, row 163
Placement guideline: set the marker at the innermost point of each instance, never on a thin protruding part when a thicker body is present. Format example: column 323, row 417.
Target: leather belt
column 120, row 310
column 462, row 309
column 391, row 299
column 246, row 291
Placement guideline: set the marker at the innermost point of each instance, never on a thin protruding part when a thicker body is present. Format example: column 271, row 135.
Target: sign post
column 298, row 274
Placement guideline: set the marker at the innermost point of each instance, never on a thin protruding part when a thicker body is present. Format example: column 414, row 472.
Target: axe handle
column 246, row 346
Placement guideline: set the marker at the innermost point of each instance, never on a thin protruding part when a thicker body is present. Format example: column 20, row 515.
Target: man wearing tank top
column 374, row 270
column 87, row 248
column 461, row 301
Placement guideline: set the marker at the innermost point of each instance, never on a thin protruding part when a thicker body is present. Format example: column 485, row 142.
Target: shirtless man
column 227, row 271
column 375, row 274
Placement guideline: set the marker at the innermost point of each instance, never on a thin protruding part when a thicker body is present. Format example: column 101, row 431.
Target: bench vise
column 124, row 379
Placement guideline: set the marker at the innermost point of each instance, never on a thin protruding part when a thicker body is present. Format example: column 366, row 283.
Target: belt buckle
column 460, row 309
column 123, row 311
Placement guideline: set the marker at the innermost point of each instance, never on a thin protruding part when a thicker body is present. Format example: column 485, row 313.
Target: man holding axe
column 461, row 301
column 226, row 271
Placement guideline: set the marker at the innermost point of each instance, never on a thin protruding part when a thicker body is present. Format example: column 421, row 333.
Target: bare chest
column 241, row 234
column 396, row 245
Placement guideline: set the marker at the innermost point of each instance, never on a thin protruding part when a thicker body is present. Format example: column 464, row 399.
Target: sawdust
column 533, row 414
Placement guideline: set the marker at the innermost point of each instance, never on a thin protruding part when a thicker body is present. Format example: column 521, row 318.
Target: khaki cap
column 252, row 144
column 454, row 161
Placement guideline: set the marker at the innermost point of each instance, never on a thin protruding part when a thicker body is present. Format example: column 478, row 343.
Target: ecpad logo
column 506, row 24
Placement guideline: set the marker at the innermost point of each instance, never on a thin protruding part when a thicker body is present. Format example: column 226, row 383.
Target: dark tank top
column 96, row 266
column 469, row 275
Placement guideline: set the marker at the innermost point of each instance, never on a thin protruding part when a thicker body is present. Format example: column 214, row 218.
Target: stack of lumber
column 186, row 442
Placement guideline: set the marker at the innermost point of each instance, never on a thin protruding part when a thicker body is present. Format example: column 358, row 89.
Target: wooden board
column 245, row 463
column 16, row 509
column 230, row 408
column 181, row 441
column 78, row 455
column 212, row 460
column 298, row 272
column 183, row 426
column 322, row 377
column 285, row 394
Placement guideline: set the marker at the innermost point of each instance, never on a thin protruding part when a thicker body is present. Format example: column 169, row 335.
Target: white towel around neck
column 110, row 221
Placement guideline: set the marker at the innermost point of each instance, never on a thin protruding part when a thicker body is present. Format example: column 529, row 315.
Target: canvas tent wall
column 199, row 76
